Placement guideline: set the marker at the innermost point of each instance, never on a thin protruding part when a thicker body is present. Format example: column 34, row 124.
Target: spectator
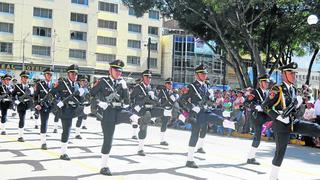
column 238, row 111
column 317, row 109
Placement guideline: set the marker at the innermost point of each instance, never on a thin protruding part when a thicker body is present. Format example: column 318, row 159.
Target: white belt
column 148, row 106
column 116, row 104
column 6, row 100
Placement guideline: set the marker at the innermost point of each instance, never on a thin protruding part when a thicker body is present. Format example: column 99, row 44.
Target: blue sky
column 303, row 62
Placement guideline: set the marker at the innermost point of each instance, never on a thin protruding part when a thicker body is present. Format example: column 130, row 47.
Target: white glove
column 17, row 102
column 87, row 110
column 134, row 119
column 103, row 105
column 182, row 118
column 299, row 99
column 196, row 109
column 167, row 113
column 151, row 94
column 173, row 98
column 153, row 119
column 31, row 90
column 123, row 84
column 60, row 104
column 177, row 96
column 259, row 108
column 137, row 108
column 228, row 124
column 81, row 91
column 38, row 107
column 284, row 120
column 126, row 106
column 11, row 90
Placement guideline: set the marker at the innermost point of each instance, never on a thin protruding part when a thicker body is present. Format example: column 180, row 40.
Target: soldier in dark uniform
column 43, row 103
column 69, row 92
column 6, row 100
column 144, row 103
column 57, row 113
column 135, row 126
column 258, row 117
column 83, row 81
column 36, row 113
column 113, row 100
column 195, row 101
column 22, row 94
column 167, row 99
column 281, row 105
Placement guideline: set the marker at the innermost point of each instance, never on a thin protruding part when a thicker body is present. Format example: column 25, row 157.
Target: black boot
column 44, row 146
column 20, row 139
column 78, row 137
column 65, row 157
column 253, row 161
column 105, row 171
column 164, row 143
column 134, row 137
column 3, row 133
column 200, row 150
column 141, row 153
column 191, row 164
column 55, row 131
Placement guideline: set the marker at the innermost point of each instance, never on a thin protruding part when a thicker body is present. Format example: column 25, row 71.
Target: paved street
column 225, row 157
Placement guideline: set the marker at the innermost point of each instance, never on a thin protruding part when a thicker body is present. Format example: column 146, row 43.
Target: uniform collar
column 287, row 85
column 200, row 82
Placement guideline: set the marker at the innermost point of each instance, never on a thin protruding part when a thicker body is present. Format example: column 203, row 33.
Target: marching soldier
column 82, row 116
column 113, row 100
column 144, row 105
column 43, row 103
column 281, row 105
column 167, row 99
column 196, row 102
column 6, row 100
column 22, row 95
column 259, row 117
column 69, row 92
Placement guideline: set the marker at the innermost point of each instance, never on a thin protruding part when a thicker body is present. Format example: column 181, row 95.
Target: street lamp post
column 23, row 46
column 149, row 47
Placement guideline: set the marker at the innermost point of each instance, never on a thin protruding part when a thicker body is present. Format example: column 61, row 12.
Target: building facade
column 181, row 53
column 90, row 33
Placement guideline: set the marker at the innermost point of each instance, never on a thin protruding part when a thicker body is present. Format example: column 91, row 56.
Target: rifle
column 47, row 100
column 287, row 112
column 114, row 96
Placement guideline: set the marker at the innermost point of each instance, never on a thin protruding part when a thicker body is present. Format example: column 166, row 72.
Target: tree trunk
column 316, row 51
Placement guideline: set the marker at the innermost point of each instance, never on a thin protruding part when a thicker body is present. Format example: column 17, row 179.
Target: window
column 41, row 12
column 154, row 14
column 6, row 47
column 107, row 41
column 133, row 60
column 134, row 28
column 77, row 53
column 6, row 27
column 78, row 35
column 110, row 7
column 41, row 50
column 77, row 17
column 154, row 46
column 134, row 44
column 132, row 12
column 41, row 31
column 106, row 57
column 153, row 30
column 7, row 8
column 107, row 24
column 153, row 62
column 84, row 2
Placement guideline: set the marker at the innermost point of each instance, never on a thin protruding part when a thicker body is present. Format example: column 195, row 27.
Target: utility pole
column 185, row 60
column 148, row 45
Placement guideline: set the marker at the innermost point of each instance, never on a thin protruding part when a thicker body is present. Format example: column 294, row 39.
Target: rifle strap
column 20, row 89
column 108, row 84
column 67, row 87
column 144, row 92
column 261, row 99
column 4, row 91
column 165, row 95
column 197, row 92
column 43, row 88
